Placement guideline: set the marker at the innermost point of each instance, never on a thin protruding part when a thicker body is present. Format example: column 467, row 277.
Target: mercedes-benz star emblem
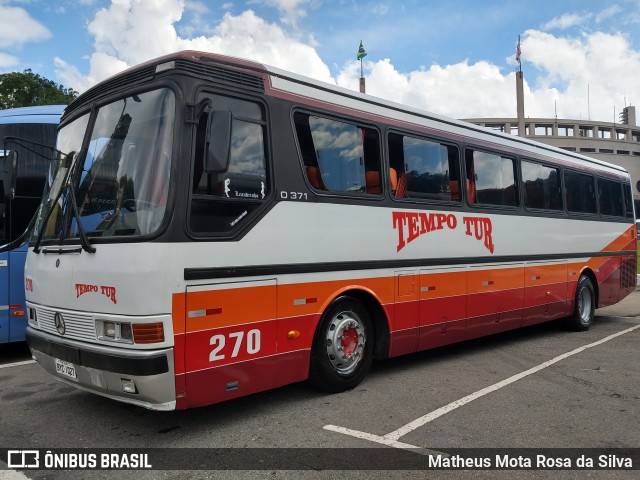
column 58, row 319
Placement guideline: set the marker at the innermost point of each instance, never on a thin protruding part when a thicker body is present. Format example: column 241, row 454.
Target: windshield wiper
column 45, row 219
column 84, row 239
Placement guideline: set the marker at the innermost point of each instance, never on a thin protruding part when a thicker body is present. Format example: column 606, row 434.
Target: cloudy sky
column 581, row 58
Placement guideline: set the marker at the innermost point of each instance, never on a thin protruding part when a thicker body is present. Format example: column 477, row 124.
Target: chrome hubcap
column 345, row 341
column 584, row 305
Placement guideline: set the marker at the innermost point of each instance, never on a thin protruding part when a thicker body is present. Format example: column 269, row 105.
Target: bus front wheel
column 342, row 350
column 584, row 306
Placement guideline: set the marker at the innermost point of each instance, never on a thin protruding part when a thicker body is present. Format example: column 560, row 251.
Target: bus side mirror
column 218, row 141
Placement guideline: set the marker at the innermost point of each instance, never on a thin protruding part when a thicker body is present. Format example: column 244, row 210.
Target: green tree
column 27, row 88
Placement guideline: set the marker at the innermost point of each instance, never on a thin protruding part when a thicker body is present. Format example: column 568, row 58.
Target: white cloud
column 133, row 31
column 18, row 27
column 461, row 90
column 380, row 9
column 290, row 10
column 565, row 21
column 136, row 30
column 579, row 78
column 608, row 13
column 198, row 7
column 7, row 61
column 605, row 65
column 102, row 66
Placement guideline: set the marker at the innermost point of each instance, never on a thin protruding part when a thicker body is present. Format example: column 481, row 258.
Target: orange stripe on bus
column 623, row 241
column 233, row 306
column 440, row 285
column 222, row 307
column 482, row 281
column 535, row 275
column 381, row 288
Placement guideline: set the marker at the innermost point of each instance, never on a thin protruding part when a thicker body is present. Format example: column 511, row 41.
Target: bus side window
column 491, row 179
column 580, row 192
column 628, row 201
column 224, row 200
column 309, row 160
column 198, row 162
column 541, row 186
column 471, row 178
column 426, row 169
column 338, row 156
column 610, row 198
column 396, row 162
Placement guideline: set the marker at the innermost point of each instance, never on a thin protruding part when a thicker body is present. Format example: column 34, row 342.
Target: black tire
column 584, row 306
column 342, row 349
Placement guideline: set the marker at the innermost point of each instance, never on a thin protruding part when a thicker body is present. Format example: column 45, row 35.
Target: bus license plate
column 65, row 368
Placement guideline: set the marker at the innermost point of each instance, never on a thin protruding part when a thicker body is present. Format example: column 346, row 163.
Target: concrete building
column 617, row 143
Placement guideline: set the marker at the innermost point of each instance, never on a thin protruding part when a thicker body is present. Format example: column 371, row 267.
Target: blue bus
column 27, row 141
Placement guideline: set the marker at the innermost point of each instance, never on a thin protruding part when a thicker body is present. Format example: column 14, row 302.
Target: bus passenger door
column 443, row 306
column 4, row 297
column 404, row 337
column 230, row 340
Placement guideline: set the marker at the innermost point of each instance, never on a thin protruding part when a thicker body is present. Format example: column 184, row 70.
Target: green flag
column 361, row 51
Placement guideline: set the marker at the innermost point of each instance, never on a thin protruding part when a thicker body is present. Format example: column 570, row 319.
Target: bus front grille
column 77, row 326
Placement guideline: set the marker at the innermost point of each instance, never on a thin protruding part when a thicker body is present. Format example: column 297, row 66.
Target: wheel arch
column 376, row 311
column 587, row 272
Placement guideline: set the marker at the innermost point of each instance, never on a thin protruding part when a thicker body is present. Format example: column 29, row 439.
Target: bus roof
column 36, row 114
column 279, row 74
column 332, row 94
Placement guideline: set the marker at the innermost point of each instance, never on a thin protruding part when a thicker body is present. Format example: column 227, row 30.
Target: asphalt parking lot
column 536, row 388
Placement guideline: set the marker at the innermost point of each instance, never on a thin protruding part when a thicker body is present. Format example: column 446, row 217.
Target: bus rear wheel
column 342, row 350
column 584, row 306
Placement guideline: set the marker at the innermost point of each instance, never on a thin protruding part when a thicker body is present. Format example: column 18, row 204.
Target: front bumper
column 102, row 370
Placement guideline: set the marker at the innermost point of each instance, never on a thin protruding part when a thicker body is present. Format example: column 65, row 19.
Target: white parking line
column 15, row 364
column 391, row 438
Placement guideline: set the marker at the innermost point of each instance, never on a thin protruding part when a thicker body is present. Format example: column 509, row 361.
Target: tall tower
column 520, row 92
column 520, row 103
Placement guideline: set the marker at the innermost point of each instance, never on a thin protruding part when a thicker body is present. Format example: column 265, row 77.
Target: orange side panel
column 439, row 285
column 494, row 280
column 312, row 298
column 626, row 241
column 226, row 307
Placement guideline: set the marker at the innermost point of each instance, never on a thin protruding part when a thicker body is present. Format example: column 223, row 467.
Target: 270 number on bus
column 241, row 344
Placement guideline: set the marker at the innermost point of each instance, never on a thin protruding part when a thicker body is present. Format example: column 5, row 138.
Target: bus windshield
column 121, row 178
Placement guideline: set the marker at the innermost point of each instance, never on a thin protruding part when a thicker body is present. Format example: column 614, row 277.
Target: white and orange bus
column 214, row 227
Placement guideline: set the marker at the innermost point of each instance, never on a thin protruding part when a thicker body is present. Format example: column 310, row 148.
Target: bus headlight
column 109, row 330
column 127, row 332
column 114, row 331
